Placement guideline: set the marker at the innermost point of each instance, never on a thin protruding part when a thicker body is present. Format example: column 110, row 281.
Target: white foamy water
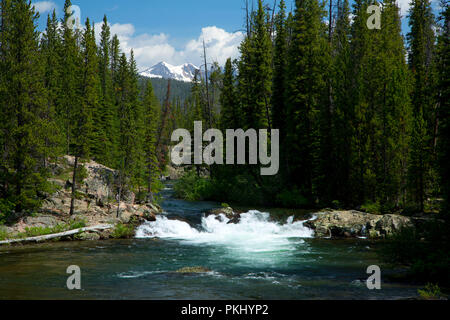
column 255, row 232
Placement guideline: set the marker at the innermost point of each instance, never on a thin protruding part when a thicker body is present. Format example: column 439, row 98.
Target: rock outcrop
column 95, row 203
column 357, row 224
column 174, row 172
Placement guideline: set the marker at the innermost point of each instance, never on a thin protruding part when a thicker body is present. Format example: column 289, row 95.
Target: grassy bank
column 42, row 231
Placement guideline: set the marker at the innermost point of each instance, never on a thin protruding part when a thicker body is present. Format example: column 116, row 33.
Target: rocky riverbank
column 95, row 205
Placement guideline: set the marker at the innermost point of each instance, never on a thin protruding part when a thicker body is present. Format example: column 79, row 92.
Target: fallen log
column 58, row 235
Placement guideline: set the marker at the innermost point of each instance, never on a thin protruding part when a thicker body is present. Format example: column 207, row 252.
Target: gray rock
column 229, row 213
column 41, row 221
column 390, row 223
column 154, row 207
column 355, row 223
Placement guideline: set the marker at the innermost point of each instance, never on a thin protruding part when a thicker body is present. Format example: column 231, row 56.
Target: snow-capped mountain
column 165, row 70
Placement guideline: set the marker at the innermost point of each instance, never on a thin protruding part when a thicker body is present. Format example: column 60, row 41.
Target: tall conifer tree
column 421, row 40
column 23, row 106
column 151, row 117
column 305, row 94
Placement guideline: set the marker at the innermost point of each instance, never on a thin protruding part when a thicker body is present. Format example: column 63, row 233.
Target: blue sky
column 170, row 30
column 181, row 18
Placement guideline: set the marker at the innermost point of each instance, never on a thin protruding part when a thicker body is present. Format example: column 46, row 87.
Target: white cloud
column 150, row 49
column 44, row 6
column 220, row 45
column 404, row 6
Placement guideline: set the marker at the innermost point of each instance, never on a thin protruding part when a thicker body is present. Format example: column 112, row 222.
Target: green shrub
column 431, row 292
column 123, row 231
column 336, row 204
column 42, row 231
column 371, row 207
column 3, row 233
column 191, row 187
column 225, row 205
column 82, row 174
column 77, row 224
column 142, row 195
column 6, row 208
column 292, row 199
column 424, row 250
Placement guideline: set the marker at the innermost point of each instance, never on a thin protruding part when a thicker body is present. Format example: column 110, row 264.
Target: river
column 255, row 259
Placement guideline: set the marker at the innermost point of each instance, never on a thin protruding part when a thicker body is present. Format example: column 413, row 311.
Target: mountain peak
column 185, row 72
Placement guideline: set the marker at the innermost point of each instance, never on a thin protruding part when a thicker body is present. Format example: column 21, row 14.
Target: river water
column 254, row 259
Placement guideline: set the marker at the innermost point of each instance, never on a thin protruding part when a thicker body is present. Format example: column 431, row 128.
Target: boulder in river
column 228, row 212
column 340, row 224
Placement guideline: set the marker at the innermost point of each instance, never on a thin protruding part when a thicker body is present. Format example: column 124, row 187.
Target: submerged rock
column 193, row 270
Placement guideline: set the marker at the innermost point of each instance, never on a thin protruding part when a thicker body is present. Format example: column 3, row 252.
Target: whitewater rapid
column 255, row 232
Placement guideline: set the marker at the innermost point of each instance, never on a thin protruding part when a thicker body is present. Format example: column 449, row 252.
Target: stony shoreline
column 95, row 206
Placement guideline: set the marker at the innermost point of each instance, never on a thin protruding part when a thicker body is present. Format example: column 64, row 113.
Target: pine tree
column 107, row 97
column 23, row 106
column 363, row 54
column 324, row 182
column 258, row 110
column 50, row 49
column 393, row 112
column 305, row 94
column 84, row 134
column 343, row 113
column 421, row 50
column 138, row 120
column 245, row 80
column 127, row 128
column 115, row 60
column 280, row 71
column 115, row 54
column 215, row 83
column 70, row 77
column 92, row 84
column 230, row 112
column 151, row 117
column 5, row 112
column 443, row 67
